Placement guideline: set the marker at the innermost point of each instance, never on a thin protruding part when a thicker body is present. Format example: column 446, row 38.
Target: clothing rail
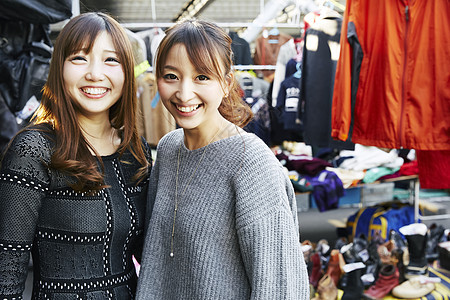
column 147, row 25
column 238, row 67
column 254, row 67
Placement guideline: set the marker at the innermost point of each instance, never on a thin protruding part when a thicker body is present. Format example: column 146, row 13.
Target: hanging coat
column 392, row 84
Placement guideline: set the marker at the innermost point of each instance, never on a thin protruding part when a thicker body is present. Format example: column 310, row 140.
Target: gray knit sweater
column 236, row 230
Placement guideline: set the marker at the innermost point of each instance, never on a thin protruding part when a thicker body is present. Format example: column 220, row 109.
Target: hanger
column 298, row 73
column 298, row 42
column 274, row 31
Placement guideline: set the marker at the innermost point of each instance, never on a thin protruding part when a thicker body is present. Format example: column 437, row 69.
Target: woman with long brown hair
column 73, row 183
column 224, row 220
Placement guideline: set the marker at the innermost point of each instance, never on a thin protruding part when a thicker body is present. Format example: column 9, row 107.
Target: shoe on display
column 335, row 265
column 444, row 255
column 326, row 289
column 435, row 234
column 386, row 281
column 316, row 270
column 397, row 260
column 372, row 262
column 416, row 236
column 397, row 238
column 384, row 252
column 355, row 251
column 354, row 286
column 416, row 287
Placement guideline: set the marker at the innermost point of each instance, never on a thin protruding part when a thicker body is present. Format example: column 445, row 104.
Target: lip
column 94, row 92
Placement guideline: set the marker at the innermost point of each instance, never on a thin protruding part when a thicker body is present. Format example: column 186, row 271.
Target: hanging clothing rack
column 239, row 67
column 148, row 25
column 253, row 67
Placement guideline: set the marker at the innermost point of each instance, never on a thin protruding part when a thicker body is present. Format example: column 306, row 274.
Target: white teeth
column 94, row 91
column 187, row 108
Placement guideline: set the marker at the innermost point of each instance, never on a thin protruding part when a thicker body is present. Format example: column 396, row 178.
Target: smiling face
column 94, row 80
column 192, row 97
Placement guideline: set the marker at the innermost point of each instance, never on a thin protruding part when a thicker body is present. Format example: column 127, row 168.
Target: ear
column 229, row 79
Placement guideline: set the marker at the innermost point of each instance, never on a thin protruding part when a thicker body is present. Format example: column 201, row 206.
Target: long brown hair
column 209, row 50
column 72, row 154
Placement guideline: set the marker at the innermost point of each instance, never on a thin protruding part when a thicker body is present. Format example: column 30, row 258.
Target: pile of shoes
column 363, row 269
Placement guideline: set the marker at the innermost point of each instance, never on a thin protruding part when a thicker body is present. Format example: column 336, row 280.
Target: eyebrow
column 170, row 67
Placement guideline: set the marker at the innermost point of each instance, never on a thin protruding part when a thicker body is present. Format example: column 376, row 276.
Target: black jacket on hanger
column 318, row 71
column 241, row 50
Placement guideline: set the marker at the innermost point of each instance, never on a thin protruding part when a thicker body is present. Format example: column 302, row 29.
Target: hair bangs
column 83, row 36
column 202, row 56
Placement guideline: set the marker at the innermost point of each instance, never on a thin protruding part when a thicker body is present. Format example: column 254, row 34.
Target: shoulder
column 29, row 154
column 257, row 150
column 250, row 154
column 32, row 141
column 170, row 139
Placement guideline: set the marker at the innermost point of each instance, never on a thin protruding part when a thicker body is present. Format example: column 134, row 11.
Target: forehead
column 102, row 39
column 177, row 51
column 178, row 56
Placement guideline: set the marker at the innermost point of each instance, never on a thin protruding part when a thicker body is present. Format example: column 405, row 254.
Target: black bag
column 36, row 11
column 24, row 64
column 25, row 76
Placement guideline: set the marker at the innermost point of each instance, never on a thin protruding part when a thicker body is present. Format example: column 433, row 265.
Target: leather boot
column 316, row 270
column 436, row 232
column 373, row 264
column 335, row 264
column 354, row 286
column 416, row 236
column 397, row 260
column 326, row 290
column 384, row 252
column 387, row 280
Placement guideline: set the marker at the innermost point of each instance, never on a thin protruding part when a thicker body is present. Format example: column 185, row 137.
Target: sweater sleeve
column 267, row 227
column 24, row 180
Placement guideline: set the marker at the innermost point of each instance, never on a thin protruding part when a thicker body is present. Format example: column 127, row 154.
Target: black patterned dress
column 81, row 244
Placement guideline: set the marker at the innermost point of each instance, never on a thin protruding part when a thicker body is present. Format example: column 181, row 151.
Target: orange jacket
column 392, row 85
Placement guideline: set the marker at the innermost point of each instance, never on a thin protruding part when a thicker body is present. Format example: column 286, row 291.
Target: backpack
column 379, row 220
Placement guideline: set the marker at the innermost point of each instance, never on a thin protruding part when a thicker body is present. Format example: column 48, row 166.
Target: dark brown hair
column 209, row 50
column 71, row 151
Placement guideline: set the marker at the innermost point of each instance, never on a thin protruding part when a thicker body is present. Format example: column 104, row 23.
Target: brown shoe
column 326, row 289
column 387, row 280
column 413, row 288
column 335, row 266
column 384, row 252
column 316, row 270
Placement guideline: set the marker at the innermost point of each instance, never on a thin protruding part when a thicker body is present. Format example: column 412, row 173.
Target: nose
column 95, row 72
column 185, row 91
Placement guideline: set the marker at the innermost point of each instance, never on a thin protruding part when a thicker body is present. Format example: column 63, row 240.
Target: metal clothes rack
column 149, row 25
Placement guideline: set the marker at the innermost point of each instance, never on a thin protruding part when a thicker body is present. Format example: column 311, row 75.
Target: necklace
column 186, row 186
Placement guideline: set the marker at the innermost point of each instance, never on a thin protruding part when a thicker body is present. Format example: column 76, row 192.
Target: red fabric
column 403, row 93
column 434, row 169
column 410, row 168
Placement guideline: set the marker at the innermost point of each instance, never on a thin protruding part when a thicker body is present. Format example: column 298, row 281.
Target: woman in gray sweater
column 224, row 222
